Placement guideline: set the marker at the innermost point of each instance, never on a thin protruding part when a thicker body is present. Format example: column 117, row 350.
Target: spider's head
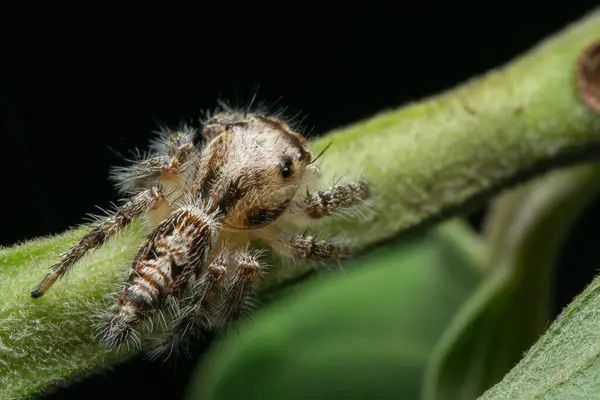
column 266, row 164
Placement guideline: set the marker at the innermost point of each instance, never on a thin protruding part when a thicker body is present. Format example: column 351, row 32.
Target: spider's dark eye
column 286, row 169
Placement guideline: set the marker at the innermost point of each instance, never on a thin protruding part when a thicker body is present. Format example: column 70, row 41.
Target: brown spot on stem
column 588, row 76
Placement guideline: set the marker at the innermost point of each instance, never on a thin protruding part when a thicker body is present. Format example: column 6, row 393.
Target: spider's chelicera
column 205, row 203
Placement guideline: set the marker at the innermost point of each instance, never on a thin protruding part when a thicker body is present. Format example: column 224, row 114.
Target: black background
column 79, row 85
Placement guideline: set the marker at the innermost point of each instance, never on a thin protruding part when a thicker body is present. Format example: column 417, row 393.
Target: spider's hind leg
column 142, row 202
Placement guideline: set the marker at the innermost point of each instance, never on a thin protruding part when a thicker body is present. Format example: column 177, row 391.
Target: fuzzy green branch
column 425, row 161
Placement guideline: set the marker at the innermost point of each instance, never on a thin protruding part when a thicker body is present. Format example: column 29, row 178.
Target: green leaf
column 565, row 362
column 367, row 331
column 510, row 309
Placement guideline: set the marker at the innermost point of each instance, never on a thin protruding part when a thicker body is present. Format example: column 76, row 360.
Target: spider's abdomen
column 170, row 258
column 175, row 251
column 150, row 283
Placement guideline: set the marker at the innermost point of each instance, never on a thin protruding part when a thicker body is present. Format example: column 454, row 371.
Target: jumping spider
column 204, row 204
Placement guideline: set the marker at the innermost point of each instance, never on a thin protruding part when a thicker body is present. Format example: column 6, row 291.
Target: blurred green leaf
column 510, row 308
column 366, row 332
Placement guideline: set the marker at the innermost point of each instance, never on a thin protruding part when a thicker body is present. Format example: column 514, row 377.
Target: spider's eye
column 286, row 169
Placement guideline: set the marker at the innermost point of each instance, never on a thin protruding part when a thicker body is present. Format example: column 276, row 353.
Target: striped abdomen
column 176, row 249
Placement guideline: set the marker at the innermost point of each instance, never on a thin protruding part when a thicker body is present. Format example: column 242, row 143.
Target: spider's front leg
column 214, row 299
column 198, row 309
column 243, row 285
column 331, row 200
column 172, row 254
column 304, row 246
column 147, row 200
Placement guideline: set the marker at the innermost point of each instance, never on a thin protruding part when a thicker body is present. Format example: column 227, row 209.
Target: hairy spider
column 204, row 204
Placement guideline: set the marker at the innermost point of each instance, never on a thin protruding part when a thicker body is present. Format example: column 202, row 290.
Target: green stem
column 445, row 155
column 426, row 161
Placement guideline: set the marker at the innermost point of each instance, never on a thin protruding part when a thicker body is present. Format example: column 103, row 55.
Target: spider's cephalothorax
column 205, row 204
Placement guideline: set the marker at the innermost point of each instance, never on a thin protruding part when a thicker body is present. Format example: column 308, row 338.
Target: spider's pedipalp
column 172, row 254
column 197, row 311
column 110, row 226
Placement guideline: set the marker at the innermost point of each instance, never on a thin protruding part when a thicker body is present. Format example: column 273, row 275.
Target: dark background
column 78, row 86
